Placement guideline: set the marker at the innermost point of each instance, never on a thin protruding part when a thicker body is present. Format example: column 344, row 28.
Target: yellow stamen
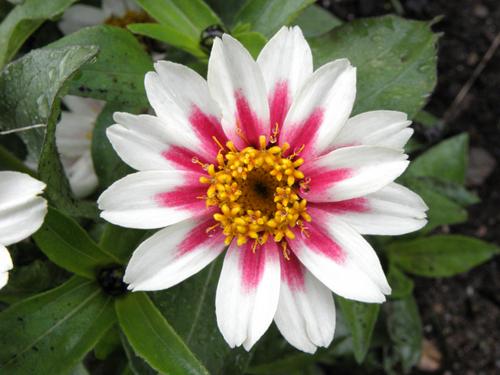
column 240, row 132
column 274, row 136
column 221, row 146
column 257, row 192
column 195, row 160
column 286, row 252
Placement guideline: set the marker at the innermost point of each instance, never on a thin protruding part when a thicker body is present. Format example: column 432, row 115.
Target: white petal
column 118, row 8
column 81, row 175
column 321, row 108
column 173, row 254
column 83, row 106
column 146, row 143
column 132, row 5
column 306, row 311
column 341, row 259
column 5, row 266
column 236, row 83
column 180, row 97
column 17, row 188
column 153, row 199
column 247, row 293
column 351, row 172
column 21, row 220
column 286, row 63
column 392, row 210
column 74, row 134
column 5, row 260
column 79, row 16
column 376, row 128
column 114, row 7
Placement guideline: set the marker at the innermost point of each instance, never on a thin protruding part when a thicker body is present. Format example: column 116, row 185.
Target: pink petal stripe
column 305, row 134
column 247, row 121
column 253, row 263
column 317, row 239
column 201, row 234
column 349, row 205
column 279, row 104
column 322, row 179
column 187, row 197
column 207, row 127
column 183, row 158
column 292, row 272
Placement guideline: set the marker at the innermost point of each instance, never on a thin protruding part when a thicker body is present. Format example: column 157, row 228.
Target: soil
column 461, row 315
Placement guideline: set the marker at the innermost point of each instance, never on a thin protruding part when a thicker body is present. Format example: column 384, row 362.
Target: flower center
column 130, row 17
column 256, row 191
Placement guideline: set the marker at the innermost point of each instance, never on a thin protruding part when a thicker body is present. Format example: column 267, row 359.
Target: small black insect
column 111, row 280
column 208, row 35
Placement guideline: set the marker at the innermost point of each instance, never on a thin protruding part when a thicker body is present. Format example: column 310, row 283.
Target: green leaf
column 30, row 279
column 457, row 193
column 266, row 17
column 23, row 20
column 9, row 162
column 395, row 60
column 315, row 21
column 168, row 35
column 79, row 370
column 440, row 256
column 226, row 9
column 29, row 87
column 190, row 308
column 402, row 285
column 445, row 161
column 295, row 363
column 153, row 338
column 117, row 75
column 66, row 244
column 51, row 332
column 361, row 319
column 121, row 242
column 189, row 17
column 253, row 41
column 137, row 365
column 442, row 211
column 405, row 330
column 108, row 343
column 180, row 22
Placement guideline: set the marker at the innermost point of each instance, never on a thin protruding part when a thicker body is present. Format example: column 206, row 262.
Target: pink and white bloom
column 79, row 16
column 74, row 140
column 263, row 158
column 21, row 214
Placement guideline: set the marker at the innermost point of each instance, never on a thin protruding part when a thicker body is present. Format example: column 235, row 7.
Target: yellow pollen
column 89, row 134
column 257, row 193
column 128, row 18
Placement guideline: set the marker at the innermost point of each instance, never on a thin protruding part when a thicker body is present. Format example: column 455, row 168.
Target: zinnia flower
column 21, row 214
column 73, row 138
column 263, row 159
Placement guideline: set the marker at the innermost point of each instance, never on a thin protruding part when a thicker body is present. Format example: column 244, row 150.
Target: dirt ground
column 461, row 315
